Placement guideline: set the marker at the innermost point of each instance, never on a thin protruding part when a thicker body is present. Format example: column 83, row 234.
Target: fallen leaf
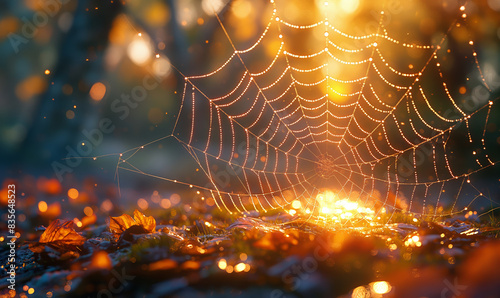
column 59, row 235
column 62, row 232
column 148, row 222
column 120, row 224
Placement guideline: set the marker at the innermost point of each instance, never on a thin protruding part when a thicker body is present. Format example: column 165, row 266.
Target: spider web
column 333, row 112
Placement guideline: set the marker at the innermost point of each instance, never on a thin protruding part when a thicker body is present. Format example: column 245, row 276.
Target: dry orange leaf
column 62, row 232
column 59, row 234
column 121, row 223
column 148, row 222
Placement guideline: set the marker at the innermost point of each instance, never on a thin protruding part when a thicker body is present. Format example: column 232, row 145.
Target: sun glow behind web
column 323, row 122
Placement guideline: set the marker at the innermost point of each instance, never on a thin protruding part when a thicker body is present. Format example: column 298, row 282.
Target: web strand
column 340, row 114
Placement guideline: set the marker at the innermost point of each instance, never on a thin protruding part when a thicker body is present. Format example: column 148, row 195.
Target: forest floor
column 199, row 251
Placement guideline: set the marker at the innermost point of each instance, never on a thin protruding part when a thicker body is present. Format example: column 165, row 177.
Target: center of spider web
column 326, row 167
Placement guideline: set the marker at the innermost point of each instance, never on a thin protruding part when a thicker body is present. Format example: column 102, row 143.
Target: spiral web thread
column 288, row 130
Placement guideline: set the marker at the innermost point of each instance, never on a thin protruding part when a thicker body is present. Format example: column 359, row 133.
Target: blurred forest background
column 66, row 62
